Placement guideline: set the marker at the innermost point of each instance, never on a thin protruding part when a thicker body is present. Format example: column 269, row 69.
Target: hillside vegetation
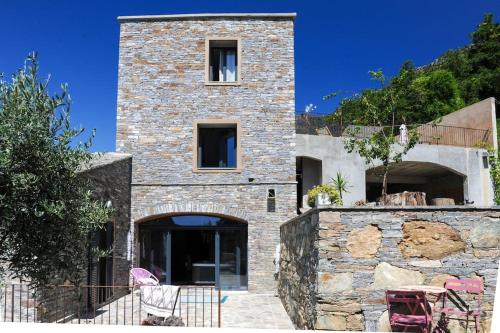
column 458, row 78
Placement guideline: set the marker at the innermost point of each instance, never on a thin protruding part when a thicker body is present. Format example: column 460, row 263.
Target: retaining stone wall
column 337, row 263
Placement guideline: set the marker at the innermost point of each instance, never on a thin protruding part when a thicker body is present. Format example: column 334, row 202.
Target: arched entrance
column 435, row 180
column 195, row 249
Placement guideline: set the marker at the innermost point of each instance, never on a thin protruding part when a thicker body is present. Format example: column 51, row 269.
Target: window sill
column 216, row 170
column 222, row 83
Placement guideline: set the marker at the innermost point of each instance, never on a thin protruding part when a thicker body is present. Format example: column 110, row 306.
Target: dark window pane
column 217, row 147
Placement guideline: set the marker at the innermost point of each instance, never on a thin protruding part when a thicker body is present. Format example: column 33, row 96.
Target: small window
column 486, row 164
column 223, row 61
column 217, row 146
column 271, row 200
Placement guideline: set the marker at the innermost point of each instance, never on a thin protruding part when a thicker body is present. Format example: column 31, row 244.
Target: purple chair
column 408, row 309
column 461, row 308
column 143, row 277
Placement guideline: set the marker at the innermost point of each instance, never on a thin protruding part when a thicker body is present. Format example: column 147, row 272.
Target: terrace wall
column 336, row 263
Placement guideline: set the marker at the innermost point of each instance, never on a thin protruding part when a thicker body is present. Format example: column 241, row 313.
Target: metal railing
column 433, row 134
column 197, row 306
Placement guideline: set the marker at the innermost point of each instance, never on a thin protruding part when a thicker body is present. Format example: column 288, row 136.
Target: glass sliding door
column 154, row 253
column 233, row 261
column 195, row 250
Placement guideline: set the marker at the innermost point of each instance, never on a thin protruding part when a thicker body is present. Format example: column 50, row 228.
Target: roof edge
column 207, row 15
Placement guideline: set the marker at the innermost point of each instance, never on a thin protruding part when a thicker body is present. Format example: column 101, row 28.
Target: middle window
column 217, row 146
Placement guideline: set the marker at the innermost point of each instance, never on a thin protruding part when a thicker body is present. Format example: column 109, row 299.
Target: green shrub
column 324, row 188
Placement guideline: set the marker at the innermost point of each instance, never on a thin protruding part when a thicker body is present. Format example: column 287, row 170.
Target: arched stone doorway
column 435, row 180
column 194, row 249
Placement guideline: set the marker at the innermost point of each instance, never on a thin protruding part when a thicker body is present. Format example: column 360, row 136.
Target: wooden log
column 443, row 202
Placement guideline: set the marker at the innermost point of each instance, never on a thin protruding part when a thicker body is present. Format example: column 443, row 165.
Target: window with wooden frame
column 223, row 59
column 217, row 146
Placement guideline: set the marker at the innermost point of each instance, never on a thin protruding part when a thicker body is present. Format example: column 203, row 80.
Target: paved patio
column 198, row 308
column 254, row 311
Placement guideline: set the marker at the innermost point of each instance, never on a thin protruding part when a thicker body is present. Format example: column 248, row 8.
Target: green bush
column 324, row 188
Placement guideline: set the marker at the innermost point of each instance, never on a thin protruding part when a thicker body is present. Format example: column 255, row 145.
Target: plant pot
column 322, row 199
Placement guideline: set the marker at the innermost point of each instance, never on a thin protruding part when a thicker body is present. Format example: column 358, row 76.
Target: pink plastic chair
column 461, row 308
column 408, row 309
column 143, row 277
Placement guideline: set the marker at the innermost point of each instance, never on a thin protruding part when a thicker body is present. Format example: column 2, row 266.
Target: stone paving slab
column 254, row 311
column 238, row 310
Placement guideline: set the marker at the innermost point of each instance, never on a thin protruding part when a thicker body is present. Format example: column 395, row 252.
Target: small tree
column 382, row 145
column 46, row 208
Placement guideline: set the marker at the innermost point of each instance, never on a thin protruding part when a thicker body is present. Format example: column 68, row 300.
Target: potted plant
column 322, row 195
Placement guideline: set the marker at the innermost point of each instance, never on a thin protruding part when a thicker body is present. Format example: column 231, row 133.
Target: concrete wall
column 465, row 161
column 481, row 115
column 336, row 263
column 330, row 151
column 162, row 93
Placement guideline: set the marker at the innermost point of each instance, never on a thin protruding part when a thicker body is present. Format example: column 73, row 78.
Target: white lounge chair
column 160, row 300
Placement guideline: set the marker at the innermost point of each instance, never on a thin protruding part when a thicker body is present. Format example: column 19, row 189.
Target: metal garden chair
column 408, row 309
column 461, row 308
column 143, row 277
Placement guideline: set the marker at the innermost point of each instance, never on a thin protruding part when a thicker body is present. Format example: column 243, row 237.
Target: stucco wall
column 480, row 115
column 466, row 161
column 162, row 92
column 359, row 253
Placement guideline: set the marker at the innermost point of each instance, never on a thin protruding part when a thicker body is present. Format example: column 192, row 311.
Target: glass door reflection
column 232, row 263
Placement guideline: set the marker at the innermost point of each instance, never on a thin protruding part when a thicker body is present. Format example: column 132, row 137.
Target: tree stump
column 404, row 199
column 443, row 202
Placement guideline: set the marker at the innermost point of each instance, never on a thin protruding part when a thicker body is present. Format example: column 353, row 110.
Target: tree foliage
column 46, row 209
column 494, row 161
column 383, row 144
column 458, row 78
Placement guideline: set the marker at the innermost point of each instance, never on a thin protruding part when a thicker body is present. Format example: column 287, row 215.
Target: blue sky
column 336, row 43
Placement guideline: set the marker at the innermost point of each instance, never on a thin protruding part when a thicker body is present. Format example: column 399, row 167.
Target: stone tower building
column 206, row 109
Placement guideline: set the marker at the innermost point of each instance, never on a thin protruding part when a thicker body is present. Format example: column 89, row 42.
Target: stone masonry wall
column 362, row 252
column 110, row 177
column 243, row 201
column 298, row 269
column 162, row 92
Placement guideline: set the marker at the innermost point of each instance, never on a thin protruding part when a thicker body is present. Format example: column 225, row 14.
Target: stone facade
column 162, row 93
column 110, row 176
column 330, row 278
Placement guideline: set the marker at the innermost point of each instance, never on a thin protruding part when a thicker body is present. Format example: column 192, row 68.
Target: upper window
column 217, row 146
column 223, row 61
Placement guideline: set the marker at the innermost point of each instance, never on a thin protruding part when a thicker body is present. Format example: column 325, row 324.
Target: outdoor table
column 435, row 293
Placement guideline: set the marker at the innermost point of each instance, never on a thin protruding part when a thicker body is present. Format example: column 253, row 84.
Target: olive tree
column 47, row 210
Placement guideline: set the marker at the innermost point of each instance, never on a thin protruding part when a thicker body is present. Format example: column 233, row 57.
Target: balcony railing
column 104, row 305
column 433, row 134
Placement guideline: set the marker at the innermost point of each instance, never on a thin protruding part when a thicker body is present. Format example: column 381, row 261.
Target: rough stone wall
column 162, row 92
column 110, row 178
column 363, row 252
column 298, row 269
